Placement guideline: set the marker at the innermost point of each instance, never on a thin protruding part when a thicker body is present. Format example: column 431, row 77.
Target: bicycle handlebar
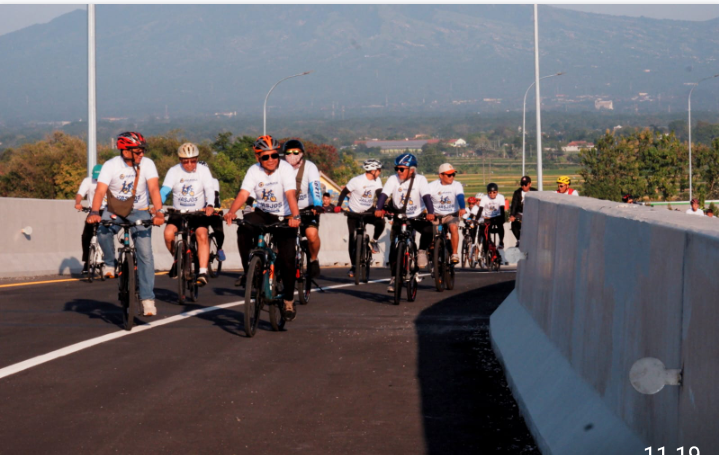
column 145, row 223
column 280, row 224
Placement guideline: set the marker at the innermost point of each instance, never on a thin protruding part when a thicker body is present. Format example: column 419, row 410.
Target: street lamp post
column 524, row 116
column 689, row 126
column 264, row 116
column 91, row 99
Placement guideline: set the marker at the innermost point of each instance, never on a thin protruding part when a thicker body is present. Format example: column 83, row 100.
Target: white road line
column 39, row 360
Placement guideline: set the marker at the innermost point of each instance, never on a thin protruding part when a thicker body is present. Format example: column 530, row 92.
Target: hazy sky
column 15, row 17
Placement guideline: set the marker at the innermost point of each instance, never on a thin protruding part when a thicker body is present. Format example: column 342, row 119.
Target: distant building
column 396, row 147
column 457, row 142
column 599, row 104
column 576, row 146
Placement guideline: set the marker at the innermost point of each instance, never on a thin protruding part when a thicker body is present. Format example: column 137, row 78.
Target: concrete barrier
column 54, row 247
column 604, row 285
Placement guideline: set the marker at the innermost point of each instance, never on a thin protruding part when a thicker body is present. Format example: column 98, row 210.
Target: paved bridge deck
column 352, row 374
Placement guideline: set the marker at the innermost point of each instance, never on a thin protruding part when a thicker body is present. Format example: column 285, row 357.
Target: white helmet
column 371, row 165
column 188, row 150
column 479, row 196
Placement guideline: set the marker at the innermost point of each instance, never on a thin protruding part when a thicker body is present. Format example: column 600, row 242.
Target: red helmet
column 265, row 144
column 130, row 140
column 472, row 200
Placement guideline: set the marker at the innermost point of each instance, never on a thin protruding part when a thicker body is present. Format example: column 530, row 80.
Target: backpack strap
column 298, row 179
column 409, row 191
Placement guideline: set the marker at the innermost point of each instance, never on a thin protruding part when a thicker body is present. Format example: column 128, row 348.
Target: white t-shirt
column 311, row 174
column 190, row 190
column 444, row 197
column 491, row 207
column 87, row 188
column 699, row 212
column 398, row 192
column 473, row 211
column 270, row 189
column 119, row 177
column 362, row 192
column 570, row 192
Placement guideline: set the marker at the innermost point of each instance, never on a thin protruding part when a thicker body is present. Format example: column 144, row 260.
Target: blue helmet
column 406, row 159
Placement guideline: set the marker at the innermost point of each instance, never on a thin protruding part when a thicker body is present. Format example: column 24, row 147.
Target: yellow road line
column 30, row 283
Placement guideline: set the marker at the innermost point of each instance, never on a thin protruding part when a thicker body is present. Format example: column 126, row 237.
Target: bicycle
column 303, row 280
column 95, row 258
column 126, row 271
column 214, row 265
column 473, row 246
column 492, row 258
column 442, row 267
column 187, row 264
column 263, row 285
column 406, row 267
column 363, row 251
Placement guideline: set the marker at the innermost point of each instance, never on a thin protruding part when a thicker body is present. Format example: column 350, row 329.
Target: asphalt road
column 353, row 374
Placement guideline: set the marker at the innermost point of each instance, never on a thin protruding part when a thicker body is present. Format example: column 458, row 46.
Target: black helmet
column 293, row 144
column 492, row 187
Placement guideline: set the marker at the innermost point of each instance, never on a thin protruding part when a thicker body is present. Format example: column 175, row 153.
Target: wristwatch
column 160, row 211
column 297, row 217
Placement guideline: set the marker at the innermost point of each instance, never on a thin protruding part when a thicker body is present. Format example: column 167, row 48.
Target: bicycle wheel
column 131, row 282
column 474, row 256
column 367, row 259
column 193, row 289
column 91, row 263
column 359, row 264
column 411, row 268
column 399, row 273
column 438, row 264
column 465, row 253
column 214, row 266
column 277, row 317
column 179, row 262
column 448, row 269
column 254, row 297
column 304, row 281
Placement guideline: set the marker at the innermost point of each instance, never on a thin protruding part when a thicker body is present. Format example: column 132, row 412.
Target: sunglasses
column 188, row 160
column 293, row 152
column 272, row 156
column 401, row 169
column 136, row 151
column 450, row 175
column 493, row 192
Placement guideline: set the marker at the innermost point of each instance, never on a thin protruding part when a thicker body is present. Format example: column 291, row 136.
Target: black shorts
column 194, row 223
column 309, row 221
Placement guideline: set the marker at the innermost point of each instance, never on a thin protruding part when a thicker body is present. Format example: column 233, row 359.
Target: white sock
column 203, row 269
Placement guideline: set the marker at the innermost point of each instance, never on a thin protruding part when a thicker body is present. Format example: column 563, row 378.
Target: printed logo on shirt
column 261, row 184
column 187, row 190
column 268, row 195
column 122, row 176
column 444, row 200
column 401, row 201
column 367, row 194
column 126, row 187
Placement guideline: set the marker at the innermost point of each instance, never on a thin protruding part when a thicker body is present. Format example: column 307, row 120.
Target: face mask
column 294, row 160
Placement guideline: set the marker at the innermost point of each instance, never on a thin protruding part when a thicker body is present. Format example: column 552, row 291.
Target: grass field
column 507, row 177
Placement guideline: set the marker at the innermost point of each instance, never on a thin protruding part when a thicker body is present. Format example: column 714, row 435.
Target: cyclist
column 517, row 208
column 309, row 194
column 492, row 208
column 694, row 209
column 87, row 188
column 396, row 187
column 125, row 175
column 563, row 183
column 448, row 199
column 273, row 181
column 362, row 190
column 327, row 205
column 192, row 188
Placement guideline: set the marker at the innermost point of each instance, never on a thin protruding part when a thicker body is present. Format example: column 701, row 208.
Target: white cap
column 445, row 167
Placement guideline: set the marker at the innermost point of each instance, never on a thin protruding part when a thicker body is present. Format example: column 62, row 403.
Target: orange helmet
column 265, row 144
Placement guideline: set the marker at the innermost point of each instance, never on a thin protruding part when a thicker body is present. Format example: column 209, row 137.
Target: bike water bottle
column 221, row 255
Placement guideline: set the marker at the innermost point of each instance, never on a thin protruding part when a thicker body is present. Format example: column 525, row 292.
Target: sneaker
column 290, row 312
column 455, row 259
column 202, row 279
column 241, row 281
column 172, row 273
column 351, row 273
column 390, row 288
column 314, row 268
column 374, row 246
column 108, row 272
column 422, row 259
column 84, row 269
column 148, row 307
column 221, row 256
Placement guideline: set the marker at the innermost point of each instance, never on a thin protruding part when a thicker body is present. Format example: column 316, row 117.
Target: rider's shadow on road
column 107, row 312
column 232, row 321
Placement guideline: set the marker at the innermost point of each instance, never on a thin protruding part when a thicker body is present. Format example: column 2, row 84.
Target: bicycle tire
column 214, row 265
column 192, row 287
column 277, row 316
column 91, row 263
column 412, row 268
column 254, row 298
column 465, row 253
column 437, row 264
column 399, row 273
column 179, row 261
column 473, row 256
column 367, row 260
column 448, row 269
column 131, row 282
column 359, row 263
column 304, row 281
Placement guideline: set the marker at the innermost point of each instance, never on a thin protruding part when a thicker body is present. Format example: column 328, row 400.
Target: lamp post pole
column 264, row 116
column 538, row 100
column 689, row 126
column 524, row 117
column 91, row 99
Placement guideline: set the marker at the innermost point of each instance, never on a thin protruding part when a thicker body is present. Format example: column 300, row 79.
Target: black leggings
column 517, row 229
column 497, row 222
column 352, row 223
column 284, row 238
column 216, row 224
column 86, row 238
column 424, row 227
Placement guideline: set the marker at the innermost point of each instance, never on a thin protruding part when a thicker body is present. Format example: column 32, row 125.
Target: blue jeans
column 142, row 237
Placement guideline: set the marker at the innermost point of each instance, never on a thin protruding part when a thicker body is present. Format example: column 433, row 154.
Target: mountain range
column 183, row 60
